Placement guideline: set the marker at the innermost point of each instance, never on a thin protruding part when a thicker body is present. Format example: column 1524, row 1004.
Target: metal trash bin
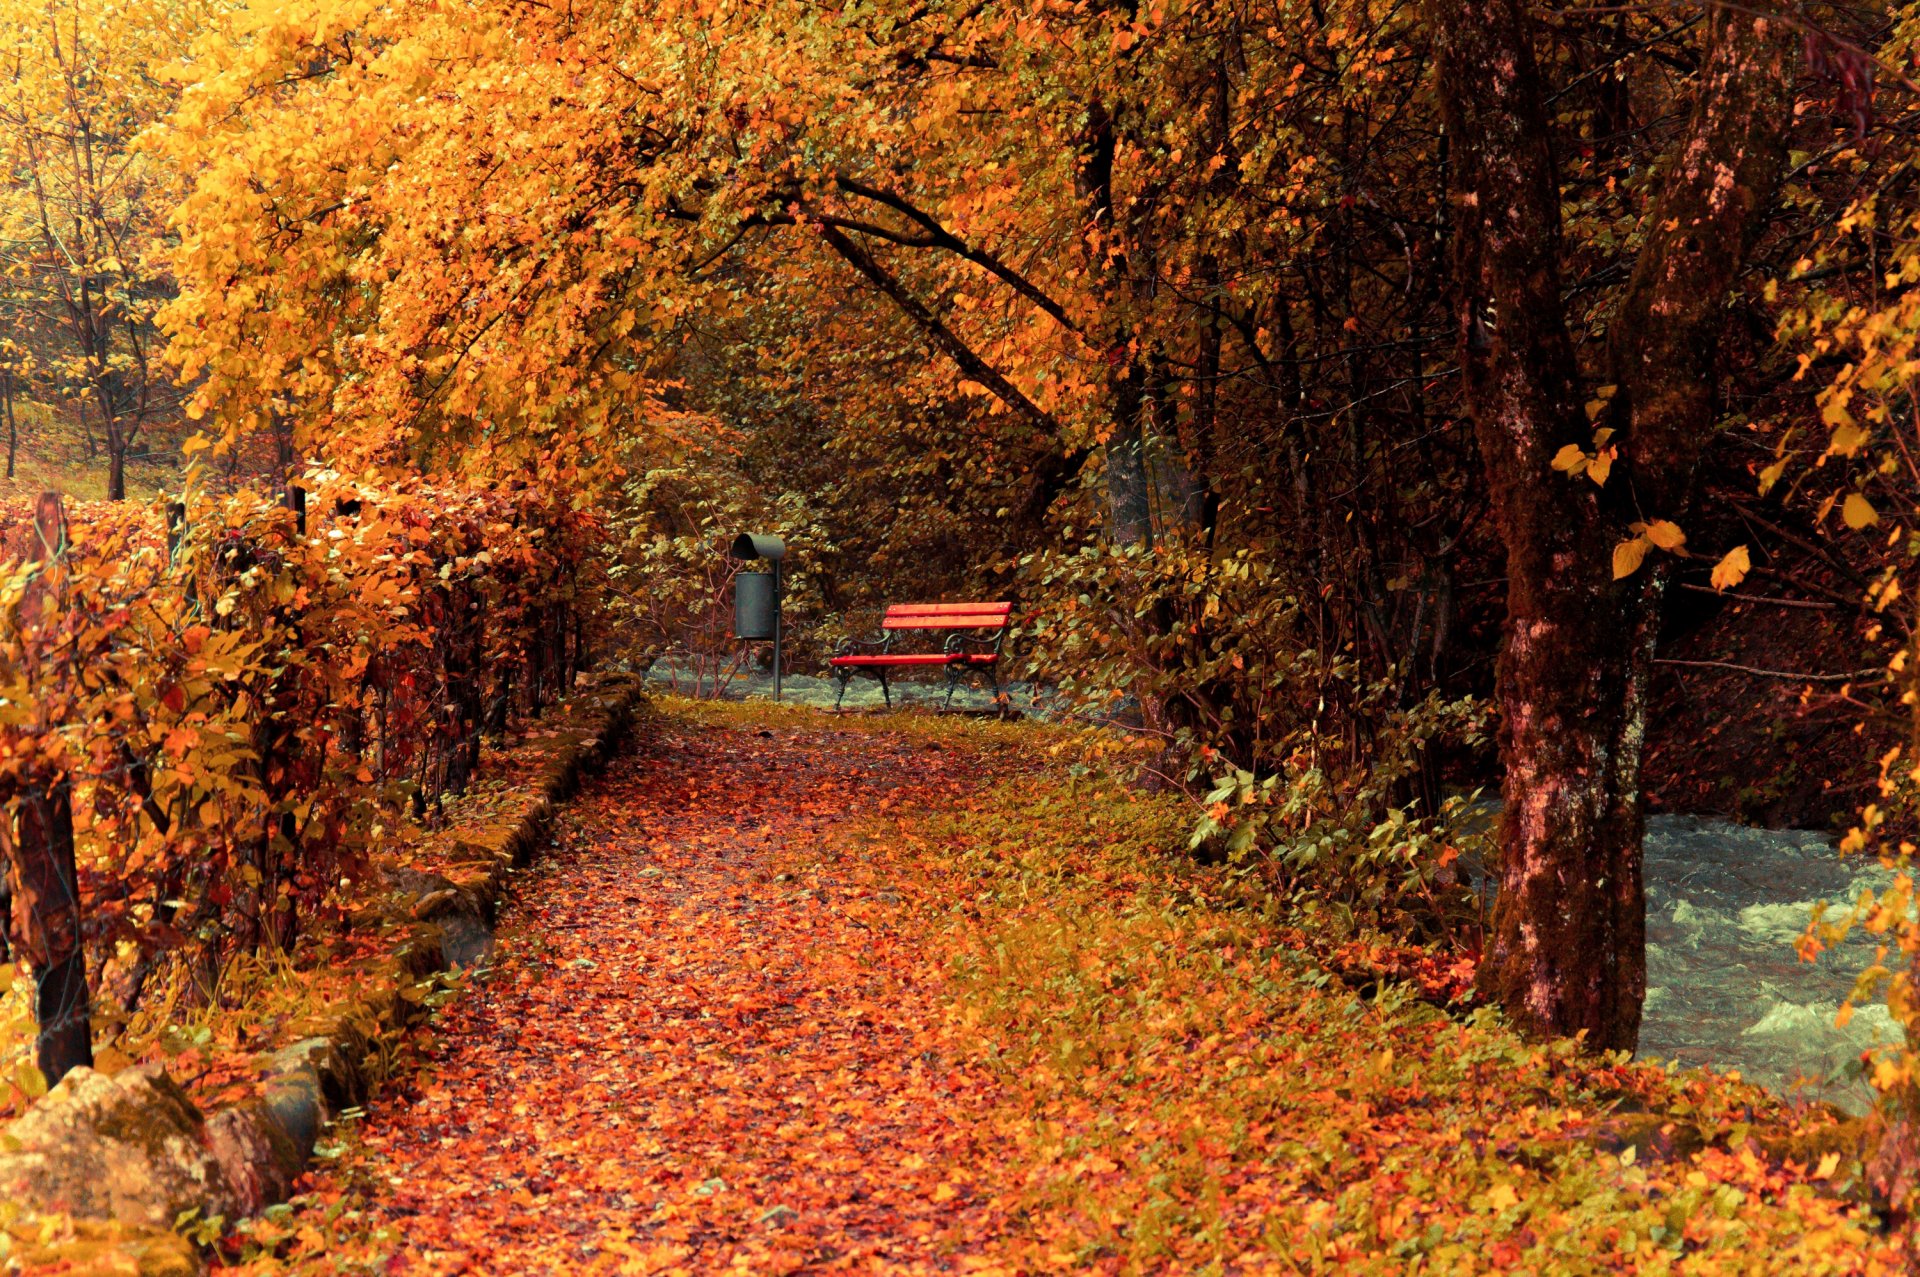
column 756, row 595
column 756, row 608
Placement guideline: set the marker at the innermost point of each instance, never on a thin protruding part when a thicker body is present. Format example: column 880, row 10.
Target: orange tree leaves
column 238, row 704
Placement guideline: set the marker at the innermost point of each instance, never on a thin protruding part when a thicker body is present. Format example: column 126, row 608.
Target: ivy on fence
column 209, row 708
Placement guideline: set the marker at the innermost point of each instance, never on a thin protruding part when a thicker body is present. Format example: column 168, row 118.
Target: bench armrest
column 849, row 646
column 959, row 641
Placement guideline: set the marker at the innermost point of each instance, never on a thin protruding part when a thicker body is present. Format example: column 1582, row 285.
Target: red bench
column 966, row 648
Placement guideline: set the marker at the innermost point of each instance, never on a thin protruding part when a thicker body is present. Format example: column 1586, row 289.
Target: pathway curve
column 708, row 1045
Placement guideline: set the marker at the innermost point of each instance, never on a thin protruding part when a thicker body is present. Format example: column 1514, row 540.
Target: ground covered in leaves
column 889, row 993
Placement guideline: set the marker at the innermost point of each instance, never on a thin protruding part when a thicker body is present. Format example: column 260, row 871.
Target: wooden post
column 295, row 499
column 46, row 899
column 48, row 904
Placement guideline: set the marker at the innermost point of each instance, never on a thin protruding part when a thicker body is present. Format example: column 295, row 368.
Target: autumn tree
column 85, row 209
column 1568, row 950
column 1280, row 374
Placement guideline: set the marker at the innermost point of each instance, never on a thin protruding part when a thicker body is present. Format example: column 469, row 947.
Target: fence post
column 47, row 900
column 176, row 526
column 50, row 900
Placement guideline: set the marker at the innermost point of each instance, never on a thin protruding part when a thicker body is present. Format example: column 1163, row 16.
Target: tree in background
column 84, row 210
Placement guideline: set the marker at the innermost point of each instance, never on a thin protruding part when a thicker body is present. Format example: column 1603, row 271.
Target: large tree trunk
column 1567, row 953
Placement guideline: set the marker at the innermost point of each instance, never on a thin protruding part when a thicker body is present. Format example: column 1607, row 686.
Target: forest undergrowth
column 912, row 994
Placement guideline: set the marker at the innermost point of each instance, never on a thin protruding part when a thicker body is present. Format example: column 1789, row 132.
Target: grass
column 53, row 455
column 1080, row 745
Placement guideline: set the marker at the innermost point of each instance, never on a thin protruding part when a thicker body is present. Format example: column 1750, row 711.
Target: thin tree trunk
column 47, row 909
column 13, row 428
column 93, row 449
column 1129, row 511
column 45, row 880
column 1130, row 516
column 1202, row 498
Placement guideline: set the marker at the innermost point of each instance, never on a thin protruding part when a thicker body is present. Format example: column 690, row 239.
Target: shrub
column 1302, row 767
column 231, row 704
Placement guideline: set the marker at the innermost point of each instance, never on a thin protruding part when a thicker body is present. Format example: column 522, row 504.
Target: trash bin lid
column 753, row 545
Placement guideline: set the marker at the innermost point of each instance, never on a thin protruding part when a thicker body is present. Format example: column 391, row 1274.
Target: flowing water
column 1724, row 986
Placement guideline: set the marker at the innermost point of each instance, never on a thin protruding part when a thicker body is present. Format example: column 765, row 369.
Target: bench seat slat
column 958, row 621
column 919, row 658
column 942, row 609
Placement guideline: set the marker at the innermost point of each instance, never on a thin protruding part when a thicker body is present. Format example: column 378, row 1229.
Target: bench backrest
column 947, row 616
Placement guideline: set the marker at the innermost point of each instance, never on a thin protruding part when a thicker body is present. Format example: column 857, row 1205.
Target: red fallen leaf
column 718, row 1045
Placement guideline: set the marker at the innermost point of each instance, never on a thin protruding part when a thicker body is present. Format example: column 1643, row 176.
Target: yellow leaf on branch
column 1627, row 557
column 1732, row 568
column 1666, row 534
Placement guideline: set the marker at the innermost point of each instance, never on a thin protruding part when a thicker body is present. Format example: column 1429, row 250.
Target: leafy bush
column 233, row 707
column 672, row 575
column 1305, row 770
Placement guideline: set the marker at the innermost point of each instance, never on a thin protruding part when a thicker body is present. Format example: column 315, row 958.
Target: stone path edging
column 131, row 1147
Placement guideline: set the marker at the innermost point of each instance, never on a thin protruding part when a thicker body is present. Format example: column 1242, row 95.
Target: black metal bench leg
column 885, row 691
column 954, row 671
column 840, row 678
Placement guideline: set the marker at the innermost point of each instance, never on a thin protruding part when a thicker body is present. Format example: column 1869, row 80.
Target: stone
column 458, row 917
column 333, row 1061
column 130, row 1147
column 433, row 903
column 258, row 1159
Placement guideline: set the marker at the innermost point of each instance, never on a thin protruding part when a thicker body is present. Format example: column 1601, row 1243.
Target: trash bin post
column 750, row 621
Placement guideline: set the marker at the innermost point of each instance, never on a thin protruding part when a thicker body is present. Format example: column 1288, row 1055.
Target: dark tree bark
column 1129, row 508
column 46, row 903
column 116, row 470
column 44, row 879
column 13, row 428
column 1130, row 513
column 1567, row 953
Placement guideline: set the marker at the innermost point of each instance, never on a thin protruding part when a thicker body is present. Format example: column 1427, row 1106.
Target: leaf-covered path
column 705, row 1046
column 900, row 995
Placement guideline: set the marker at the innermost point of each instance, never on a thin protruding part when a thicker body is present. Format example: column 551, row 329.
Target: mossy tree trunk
column 1567, row 953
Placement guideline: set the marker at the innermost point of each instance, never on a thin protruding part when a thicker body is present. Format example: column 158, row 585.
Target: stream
column 1724, row 987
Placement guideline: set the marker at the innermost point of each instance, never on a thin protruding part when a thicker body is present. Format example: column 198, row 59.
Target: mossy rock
column 130, row 1147
column 1850, row 1137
